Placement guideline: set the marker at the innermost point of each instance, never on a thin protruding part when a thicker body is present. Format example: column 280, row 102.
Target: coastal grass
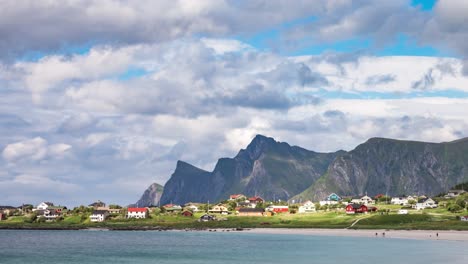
column 424, row 220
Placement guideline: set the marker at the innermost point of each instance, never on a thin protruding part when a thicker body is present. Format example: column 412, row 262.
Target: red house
column 256, row 200
column 356, row 209
column 187, row 213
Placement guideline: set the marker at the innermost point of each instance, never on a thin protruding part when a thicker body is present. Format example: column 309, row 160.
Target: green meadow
column 429, row 219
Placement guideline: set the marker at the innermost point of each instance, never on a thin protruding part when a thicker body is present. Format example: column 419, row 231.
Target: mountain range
column 278, row 171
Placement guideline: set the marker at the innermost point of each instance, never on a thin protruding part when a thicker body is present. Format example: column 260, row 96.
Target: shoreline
column 444, row 235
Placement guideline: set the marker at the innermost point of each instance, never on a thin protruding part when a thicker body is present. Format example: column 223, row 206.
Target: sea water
column 21, row 246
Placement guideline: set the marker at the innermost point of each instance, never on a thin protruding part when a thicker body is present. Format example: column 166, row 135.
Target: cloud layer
column 101, row 98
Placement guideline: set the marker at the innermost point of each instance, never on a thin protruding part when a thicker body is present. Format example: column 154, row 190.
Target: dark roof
column 251, row 210
column 96, row 212
column 356, row 206
column 423, row 200
column 207, row 216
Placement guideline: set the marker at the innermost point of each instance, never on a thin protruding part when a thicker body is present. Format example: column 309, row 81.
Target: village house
column 207, row 218
column 363, row 200
column 98, row 215
column 246, row 203
column 7, row 210
column 359, row 209
column 43, row 206
column 237, row 197
column 133, row 212
column 187, row 213
column 2, row 216
column 49, row 214
column 251, row 211
column 464, row 218
column 277, row 209
column 454, row 193
column 110, row 210
column 59, row 209
column 192, row 207
column 256, row 200
column 219, row 209
column 426, row 203
column 402, row 200
column 331, row 199
column 307, row 207
column 172, row 208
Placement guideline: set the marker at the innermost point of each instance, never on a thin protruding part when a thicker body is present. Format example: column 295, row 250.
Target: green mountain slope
column 394, row 167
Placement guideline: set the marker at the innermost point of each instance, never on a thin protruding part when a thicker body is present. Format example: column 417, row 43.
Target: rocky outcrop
column 151, row 196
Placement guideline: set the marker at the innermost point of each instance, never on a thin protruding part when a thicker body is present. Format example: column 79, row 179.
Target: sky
column 99, row 99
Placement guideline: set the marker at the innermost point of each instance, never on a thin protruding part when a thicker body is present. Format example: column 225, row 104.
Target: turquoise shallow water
column 19, row 246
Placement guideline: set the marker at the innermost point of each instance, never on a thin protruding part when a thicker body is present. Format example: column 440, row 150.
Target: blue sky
column 99, row 105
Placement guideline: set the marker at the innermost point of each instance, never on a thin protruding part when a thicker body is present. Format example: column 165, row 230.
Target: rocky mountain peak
column 257, row 146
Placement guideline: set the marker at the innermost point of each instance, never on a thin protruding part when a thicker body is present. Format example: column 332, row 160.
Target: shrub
column 454, row 208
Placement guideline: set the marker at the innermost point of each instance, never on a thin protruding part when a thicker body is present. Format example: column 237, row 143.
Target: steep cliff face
column 151, row 196
column 187, row 183
column 276, row 170
column 394, row 167
column 268, row 168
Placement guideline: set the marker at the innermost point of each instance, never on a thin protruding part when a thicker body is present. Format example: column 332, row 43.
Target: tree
column 232, row 205
column 384, row 199
column 31, row 218
column 461, row 203
column 317, row 206
column 260, row 205
column 454, row 208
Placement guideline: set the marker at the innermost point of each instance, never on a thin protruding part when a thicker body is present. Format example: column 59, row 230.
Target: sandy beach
column 401, row 234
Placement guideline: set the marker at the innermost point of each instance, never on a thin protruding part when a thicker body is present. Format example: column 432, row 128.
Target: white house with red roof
column 133, row 212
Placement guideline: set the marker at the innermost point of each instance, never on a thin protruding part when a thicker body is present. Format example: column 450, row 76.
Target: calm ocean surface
column 18, row 246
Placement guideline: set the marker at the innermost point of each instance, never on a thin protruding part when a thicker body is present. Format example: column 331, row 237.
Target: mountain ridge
column 277, row 170
column 251, row 172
